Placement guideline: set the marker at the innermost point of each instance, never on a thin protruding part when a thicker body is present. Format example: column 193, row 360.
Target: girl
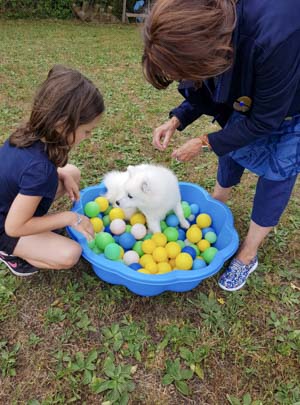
column 34, row 172
column 239, row 61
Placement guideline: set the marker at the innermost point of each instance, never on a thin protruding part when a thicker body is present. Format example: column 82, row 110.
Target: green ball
column 112, row 251
column 91, row 209
column 209, row 254
column 128, row 228
column 107, row 211
column 211, row 237
column 163, row 225
column 180, row 243
column 137, row 247
column 171, row 234
column 106, row 220
column 186, row 209
column 92, row 243
column 196, row 248
column 148, row 236
column 96, row 250
column 103, row 239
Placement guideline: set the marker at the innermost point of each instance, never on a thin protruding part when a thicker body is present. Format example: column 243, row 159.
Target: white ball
column 131, row 257
column 191, row 217
column 138, row 231
column 117, row 226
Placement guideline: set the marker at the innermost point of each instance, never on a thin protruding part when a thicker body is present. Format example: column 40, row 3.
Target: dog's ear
column 130, row 170
column 145, row 187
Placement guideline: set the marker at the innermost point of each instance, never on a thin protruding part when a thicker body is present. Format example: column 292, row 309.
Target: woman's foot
column 236, row 275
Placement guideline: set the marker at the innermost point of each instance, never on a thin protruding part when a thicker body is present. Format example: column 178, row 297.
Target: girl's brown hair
column 64, row 101
column 188, row 40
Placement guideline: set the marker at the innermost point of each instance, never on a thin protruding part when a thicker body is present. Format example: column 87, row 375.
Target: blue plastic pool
column 177, row 280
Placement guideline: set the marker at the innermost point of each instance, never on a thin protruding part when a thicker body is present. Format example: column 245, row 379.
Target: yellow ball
column 145, row 259
column 203, row 220
column 163, row 268
column 97, row 224
column 143, row 271
column 137, row 218
column 151, row 267
column 159, row 239
column 116, row 213
column 148, row 246
column 103, row 203
column 173, row 249
column 122, row 252
column 172, row 263
column 184, row 261
column 194, row 234
column 160, row 254
column 203, row 244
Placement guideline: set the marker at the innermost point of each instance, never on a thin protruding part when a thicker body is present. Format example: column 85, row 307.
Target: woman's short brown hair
column 188, row 40
column 64, row 101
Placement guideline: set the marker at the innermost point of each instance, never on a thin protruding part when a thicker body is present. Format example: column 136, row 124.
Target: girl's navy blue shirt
column 266, row 68
column 26, row 171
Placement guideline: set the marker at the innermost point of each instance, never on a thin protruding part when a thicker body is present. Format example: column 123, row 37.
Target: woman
column 238, row 61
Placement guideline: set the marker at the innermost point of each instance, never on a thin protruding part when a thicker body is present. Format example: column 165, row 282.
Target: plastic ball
column 91, row 243
column 128, row 228
column 137, row 218
column 163, row 225
column 205, row 230
column 122, row 253
column 96, row 250
column 106, row 220
column 107, row 229
column 102, row 202
column 109, row 208
column 184, row 261
column 159, row 239
column 203, row 244
column 131, row 257
column 127, row 241
column 135, row 266
column 191, row 218
column 172, row 263
column 198, row 264
column 209, row 254
column 159, row 254
column 211, row 237
column 181, row 234
column 194, row 234
column 146, row 259
column 196, row 249
column 148, row 236
column 137, row 247
column 148, row 246
column 186, row 209
column 163, row 268
column 180, row 243
column 116, row 213
column 203, row 220
column 117, row 226
column 195, row 208
column 189, row 250
column 112, row 251
column 171, row 234
column 151, row 267
column 138, row 231
column 97, row 224
column 173, row 249
column 103, row 239
column 172, row 220
column 91, row 209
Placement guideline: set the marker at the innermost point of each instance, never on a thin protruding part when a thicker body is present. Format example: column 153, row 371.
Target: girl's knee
column 70, row 256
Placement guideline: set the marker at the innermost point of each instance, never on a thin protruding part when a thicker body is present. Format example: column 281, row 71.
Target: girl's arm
column 21, row 222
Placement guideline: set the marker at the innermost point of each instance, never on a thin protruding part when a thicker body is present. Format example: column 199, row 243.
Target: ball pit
column 172, row 260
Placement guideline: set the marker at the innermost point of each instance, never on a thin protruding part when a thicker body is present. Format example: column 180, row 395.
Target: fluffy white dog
column 114, row 182
column 154, row 191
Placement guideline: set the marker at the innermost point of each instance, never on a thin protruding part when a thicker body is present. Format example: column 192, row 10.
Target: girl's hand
column 70, row 186
column 83, row 225
column 163, row 134
column 188, row 150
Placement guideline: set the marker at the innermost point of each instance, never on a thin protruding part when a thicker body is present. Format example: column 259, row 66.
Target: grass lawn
column 65, row 336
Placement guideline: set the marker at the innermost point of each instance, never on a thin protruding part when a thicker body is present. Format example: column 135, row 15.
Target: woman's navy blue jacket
column 266, row 68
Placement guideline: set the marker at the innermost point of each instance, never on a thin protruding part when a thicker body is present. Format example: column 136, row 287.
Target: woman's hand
column 188, row 150
column 163, row 134
column 83, row 225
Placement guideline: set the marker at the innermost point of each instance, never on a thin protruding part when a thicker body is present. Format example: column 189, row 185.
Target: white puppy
column 114, row 182
column 154, row 191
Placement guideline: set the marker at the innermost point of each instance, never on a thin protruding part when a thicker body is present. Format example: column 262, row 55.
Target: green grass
column 66, row 337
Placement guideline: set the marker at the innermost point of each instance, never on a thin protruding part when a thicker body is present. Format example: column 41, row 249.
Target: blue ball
column 172, row 220
column 116, row 238
column 135, row 266
column 181, row 234
column 126, row 240
column 107, row 229
column 190, row 250
column 195, row 208
column 198, row 264
column 205, row 230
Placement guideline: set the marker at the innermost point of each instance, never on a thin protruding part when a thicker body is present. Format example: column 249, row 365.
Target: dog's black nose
column 118, row 203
